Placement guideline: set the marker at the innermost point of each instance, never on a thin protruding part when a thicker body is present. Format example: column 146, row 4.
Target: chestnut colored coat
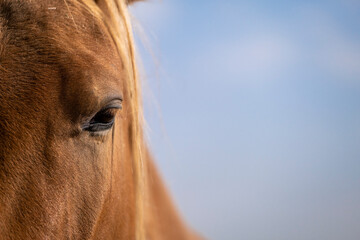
column 73, row 163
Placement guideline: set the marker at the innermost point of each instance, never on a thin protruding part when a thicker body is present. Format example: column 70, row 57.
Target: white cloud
column 256, row 58
column 314, row 42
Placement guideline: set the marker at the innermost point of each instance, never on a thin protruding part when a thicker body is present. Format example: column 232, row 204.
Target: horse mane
column 115, row 16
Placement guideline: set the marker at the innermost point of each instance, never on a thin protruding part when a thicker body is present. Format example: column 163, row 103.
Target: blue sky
column 253, row 112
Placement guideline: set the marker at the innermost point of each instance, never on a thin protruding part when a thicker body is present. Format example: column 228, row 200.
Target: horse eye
column 103, row 120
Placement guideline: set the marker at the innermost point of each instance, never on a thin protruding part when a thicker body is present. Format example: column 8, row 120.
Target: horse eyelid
column 94, row 125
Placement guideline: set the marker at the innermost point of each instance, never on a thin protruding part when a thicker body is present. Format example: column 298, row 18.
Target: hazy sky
column 258, row 135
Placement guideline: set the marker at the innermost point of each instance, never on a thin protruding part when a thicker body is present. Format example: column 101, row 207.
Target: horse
column 73, row 160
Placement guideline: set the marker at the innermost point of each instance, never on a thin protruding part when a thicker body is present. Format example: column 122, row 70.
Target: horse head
column 73, row 163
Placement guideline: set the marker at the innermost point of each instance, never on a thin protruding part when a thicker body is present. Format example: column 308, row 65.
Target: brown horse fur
column 61, row 62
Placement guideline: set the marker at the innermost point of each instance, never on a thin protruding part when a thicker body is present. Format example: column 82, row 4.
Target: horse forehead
column 22, row 13
column 57, row 34
column 64, row 20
